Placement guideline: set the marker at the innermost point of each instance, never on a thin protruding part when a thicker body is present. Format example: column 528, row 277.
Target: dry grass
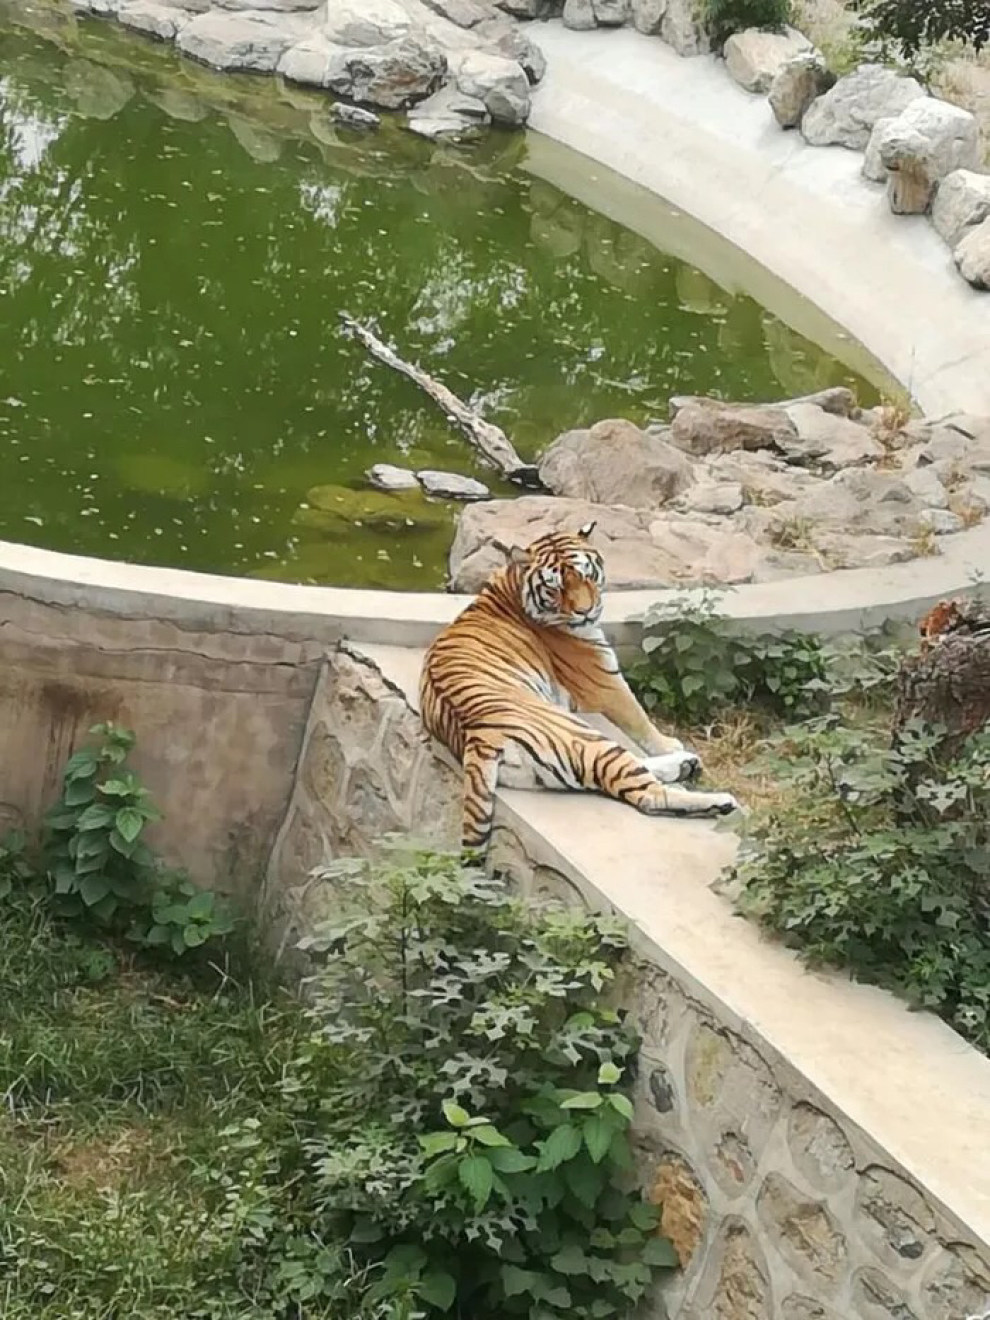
column 730, row 753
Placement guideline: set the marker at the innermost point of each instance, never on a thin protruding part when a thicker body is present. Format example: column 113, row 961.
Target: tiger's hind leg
column 481, row 760
column 604, row 766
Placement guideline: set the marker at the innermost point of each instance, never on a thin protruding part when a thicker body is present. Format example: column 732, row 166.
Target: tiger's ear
column 585, row 531
column 514, row 554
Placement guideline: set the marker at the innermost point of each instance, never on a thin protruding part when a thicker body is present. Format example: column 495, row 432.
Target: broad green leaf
column 92, row 888
column 475, row 1175
column 608, row 1074
column 570, row 1260
column 83, row 765
column 366, row 1230
column 435, row 1143
column 489, row 1136
column 562, row 1144
column 584, row 1180
column 78, row 792
column 194, row 935
column 660, row 1254
column 96, row 817
column 621, row 1104
column 455, row 1115
column 129, row 824
column 509, row 1160
column 583, row 1100
column 438, row 1288
column 644, row 1215
column 516, row 1281
column 597, row 1133
column 405, row 1261
column 118, row 787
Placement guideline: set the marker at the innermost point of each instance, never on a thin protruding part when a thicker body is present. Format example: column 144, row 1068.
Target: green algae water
column 175, row 248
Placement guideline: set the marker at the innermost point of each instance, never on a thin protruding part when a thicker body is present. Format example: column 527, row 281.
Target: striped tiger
column 501, row 684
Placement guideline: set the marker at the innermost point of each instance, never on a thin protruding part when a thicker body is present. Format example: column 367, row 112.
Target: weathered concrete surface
column 219, row 717
column 803, row 212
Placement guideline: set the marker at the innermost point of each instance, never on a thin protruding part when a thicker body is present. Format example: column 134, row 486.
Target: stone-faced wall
column 780, row 1208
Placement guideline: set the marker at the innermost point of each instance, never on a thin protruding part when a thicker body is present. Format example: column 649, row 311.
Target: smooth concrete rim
column 640, row 83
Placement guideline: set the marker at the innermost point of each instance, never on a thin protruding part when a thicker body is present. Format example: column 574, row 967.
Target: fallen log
column 490, row 440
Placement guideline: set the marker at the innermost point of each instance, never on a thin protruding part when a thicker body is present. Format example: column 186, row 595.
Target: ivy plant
column 471, row 1085
column 101, row 869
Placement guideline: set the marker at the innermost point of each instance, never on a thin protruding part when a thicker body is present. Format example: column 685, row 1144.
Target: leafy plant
column 471, row 1085
column 728, row 16
column 696, row 661
column 914, row 24
column 99, row 866
column 879, row 862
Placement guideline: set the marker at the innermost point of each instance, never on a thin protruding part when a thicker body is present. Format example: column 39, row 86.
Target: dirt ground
column 953, row 73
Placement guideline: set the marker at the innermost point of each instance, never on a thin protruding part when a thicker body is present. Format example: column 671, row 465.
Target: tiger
column 502, row 685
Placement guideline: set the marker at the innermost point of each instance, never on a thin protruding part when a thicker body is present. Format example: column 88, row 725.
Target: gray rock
column 615, row 463
column 448, row 113
column 353, row 116
column 707, row 426
column 307, row 61
column 511, row 42
column 713, row 497
column 846, row 114
column 972, row 256
column 860, row 501
column 647, row 16
column 465, row 13
column 523, row 8
column 611, row 13
column 392, row 76
column 366, row 22
column 873, row 167
column 579, row 15
column 277, row 6
column 926, row 142
column 386, row 476
column 962, row 201
column 765, row 479
column 683, row 27
column 499, row 83
column 926, row 485
column 254, row 41
column 943, row 522
column 754, row 57
column 827, row 441
column 796, row 84
column 451, row 486
column 153, row 17
column 841, row 550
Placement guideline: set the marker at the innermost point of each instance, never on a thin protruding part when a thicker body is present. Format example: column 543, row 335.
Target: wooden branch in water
column 490, row 440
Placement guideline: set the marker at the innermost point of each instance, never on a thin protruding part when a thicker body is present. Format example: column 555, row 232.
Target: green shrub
column 697, row 662
column 473, row 1100
column 728, row 16
column 914, row 24
column 100, row 868
column 879, row 862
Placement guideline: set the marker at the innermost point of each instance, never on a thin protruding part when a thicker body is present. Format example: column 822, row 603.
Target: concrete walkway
column 682, row 129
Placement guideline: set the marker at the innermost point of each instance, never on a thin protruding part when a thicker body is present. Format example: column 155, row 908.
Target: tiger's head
column 560, row 578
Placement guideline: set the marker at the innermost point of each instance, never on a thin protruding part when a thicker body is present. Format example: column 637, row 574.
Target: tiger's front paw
column 674, row 767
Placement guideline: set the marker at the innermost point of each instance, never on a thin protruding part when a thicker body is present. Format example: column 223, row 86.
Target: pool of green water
column 175, row 248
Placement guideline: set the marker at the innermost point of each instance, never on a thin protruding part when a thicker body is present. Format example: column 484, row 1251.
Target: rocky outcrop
column 391, row 54
column 731, row 493
column 920, row 147
column 972, row 256
column 754, row 58
column 962, row 202
column 846, row 115
column 798, row 82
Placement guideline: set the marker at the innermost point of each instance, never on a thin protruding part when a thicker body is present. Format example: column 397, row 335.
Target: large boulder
column 846, row 114
column 683, row 27
column 962, row 201
column 512, row 42
column 463, row 13
column 754, row 57
column 641, row 548
column 448, row 113
column 254, row 40
column 366, row 22
column 579, row 15
column 647, row 16
column 501, row 84
column 705, row 426
column 392, row 76
column 153, row 17
column 860, row 501
column 921, row 146
column 610, row 13
column 615, row 463
column 828, row 442
column 798, row 82
column 972, row 256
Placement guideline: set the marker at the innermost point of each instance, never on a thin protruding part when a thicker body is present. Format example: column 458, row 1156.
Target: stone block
column 806, row 1232
column 818, row 1147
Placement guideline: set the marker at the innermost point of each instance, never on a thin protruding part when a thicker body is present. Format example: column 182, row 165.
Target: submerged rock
column 451, row 486
column 386, row 476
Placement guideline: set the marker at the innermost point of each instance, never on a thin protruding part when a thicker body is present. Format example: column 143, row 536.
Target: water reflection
column 174, row 251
